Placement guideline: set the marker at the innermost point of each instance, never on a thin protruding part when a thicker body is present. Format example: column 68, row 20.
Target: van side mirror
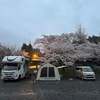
column 2, row 65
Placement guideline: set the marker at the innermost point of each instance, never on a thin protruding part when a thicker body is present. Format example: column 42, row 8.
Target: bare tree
column 80, row 36
column 8, row 51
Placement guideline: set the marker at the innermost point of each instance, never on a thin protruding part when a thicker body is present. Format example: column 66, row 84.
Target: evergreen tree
column 24, row 46
column 30, row 48
column 94, row 39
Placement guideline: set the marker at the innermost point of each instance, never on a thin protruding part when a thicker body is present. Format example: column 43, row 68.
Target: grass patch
column 96, row 70
column 68, row 72
column 71, row 73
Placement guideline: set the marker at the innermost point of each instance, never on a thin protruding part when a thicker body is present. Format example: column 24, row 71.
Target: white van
column 14, row 67
column 85, row 72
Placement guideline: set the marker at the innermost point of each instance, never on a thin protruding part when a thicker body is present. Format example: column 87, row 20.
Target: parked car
column 85, row 72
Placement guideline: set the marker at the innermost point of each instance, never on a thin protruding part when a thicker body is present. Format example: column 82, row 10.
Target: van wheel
column 4, row 80
column 82, row 77
column 93, row 80
column 19, row 77
column 76, row 76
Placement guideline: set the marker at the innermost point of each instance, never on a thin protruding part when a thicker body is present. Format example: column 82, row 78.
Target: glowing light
column 34, row 66
column 35, row 56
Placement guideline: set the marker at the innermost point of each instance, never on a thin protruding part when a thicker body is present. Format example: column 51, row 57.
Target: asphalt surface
column 73, row 89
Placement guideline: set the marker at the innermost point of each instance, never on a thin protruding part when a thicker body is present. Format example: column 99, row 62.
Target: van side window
column 77, row 68
column 18, row 67
column 80, row 69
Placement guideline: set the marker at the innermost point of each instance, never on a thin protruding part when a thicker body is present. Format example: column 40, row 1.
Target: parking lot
column 66, row 89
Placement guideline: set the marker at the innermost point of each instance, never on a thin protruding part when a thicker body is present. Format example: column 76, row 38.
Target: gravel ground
column 65, row 89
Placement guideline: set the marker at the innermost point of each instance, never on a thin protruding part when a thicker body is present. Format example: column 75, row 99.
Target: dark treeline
column 29, row 48
column 94, row 39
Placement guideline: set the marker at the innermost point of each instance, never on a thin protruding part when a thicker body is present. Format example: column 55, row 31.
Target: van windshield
column 10, row 66
column 87, row 70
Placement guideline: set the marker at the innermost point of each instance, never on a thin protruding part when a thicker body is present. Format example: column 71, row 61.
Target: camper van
column 14, row 67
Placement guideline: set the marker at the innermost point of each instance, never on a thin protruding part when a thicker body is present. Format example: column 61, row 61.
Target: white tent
column 48, row 72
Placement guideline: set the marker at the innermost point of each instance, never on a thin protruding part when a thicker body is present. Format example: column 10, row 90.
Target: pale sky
column 23, row 21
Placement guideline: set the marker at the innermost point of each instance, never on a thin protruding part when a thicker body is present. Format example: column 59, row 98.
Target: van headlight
column 84, row 74
column 93, row 74
column 2, row 74
column 15, row 75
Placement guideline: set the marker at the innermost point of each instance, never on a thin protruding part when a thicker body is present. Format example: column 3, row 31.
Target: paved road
column 50, row 90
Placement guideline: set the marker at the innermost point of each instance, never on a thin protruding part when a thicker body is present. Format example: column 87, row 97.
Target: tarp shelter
column 48, row 72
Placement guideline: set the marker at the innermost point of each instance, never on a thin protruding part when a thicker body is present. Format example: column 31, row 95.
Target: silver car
column 85, row 72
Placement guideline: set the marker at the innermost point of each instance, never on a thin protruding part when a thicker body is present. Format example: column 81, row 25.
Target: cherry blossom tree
column 66, row 49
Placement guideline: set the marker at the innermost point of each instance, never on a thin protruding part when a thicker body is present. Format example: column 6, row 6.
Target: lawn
column 70, row 72
column 96, row 70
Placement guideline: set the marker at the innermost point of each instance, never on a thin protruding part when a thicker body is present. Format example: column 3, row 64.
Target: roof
column 10, row 59
column 62, row 67
column 83, row 67
column 48, row 65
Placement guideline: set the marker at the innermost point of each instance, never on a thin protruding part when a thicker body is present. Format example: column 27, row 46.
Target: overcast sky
column 23, row 21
